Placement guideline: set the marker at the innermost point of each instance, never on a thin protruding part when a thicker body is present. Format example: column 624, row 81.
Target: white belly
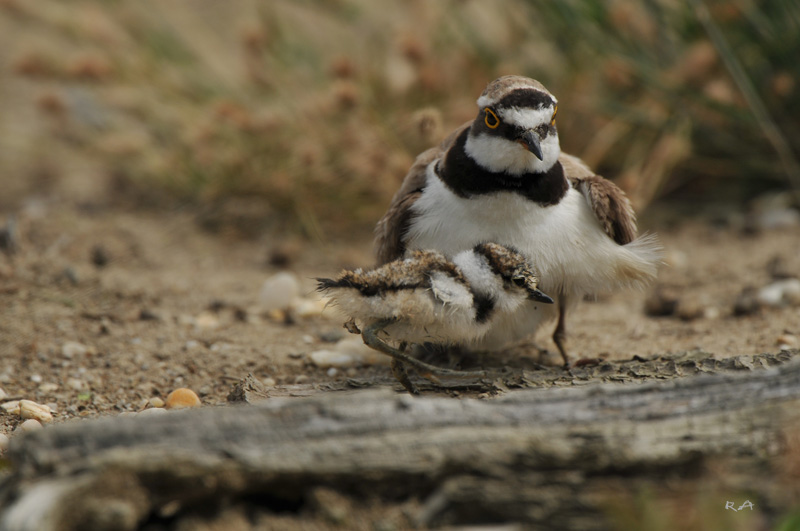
column 564, row 243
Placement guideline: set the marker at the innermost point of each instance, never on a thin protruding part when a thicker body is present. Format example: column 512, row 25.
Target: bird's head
column 513, row 269
column 515, row 131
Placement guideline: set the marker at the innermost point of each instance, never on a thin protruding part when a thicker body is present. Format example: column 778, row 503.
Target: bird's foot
column 400, row 372
column 426, row 370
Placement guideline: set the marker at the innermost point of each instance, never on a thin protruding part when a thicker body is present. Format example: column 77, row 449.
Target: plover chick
column 503, row 178
column 427, row 298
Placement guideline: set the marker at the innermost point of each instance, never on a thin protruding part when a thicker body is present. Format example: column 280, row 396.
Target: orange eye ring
column 490, row 113
column 553, row 119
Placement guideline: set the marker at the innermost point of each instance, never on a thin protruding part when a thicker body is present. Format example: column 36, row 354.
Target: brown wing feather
column 391, row 229
column 611, row 208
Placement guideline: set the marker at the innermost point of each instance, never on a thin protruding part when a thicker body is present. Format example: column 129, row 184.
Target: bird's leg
column 560, row 333
column 400, row 372
column 371, row 339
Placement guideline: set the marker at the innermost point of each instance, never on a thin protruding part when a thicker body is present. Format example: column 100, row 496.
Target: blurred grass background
column 306, row 114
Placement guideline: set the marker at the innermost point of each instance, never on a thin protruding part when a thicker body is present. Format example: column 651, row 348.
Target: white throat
column 502, row 155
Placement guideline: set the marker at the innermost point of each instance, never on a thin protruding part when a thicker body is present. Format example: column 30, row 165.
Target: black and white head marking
column 515, row 130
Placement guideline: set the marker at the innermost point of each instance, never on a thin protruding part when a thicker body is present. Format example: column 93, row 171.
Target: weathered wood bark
column 540, row 456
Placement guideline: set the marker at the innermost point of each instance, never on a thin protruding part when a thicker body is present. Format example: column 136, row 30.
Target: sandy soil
column 159, row 304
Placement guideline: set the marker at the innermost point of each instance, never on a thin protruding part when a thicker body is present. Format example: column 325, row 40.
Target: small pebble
column 151, row 411
column 48, row 387
column 747, row 302
column 182, row 398
column 76, row 384
column 269, row 382
column 300, row 379
column 690, row 309
column 70, row 349
column 206, row 321
column 36, row 378
column 780, row 293
column 780, row 268
column 3, row 394
column 348, row 352
column 11, row 407
column 331, row 358
column 100, row 256
column 662, row 301
column 778, row 219
column 156, row 402
column 29, row 425
column 308, row 307
column 332, row 372
column 279, row 290
column 148, row 315
column 331, row 336
column 3, row 442
column 29, row 409
column 787, row 342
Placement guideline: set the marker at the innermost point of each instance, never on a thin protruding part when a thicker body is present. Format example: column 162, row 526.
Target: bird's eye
column 491, row 119
column 519, row 281
column 553, row 119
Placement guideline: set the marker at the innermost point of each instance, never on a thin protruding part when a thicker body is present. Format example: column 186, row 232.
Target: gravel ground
column 105, row 312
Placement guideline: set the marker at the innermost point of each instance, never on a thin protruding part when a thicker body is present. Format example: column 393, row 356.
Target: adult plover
column 427, row 298
column 503, row 178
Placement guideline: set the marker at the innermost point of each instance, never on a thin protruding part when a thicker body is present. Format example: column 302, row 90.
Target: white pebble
column 28, row 409
column 778, row 218
column 348, row 352
column 279, row 290
column 206, row 321
column 76, row 384
column 308, row 307
column 156, row 402
column 331, row 358
column 269, row 382
column 780, row 293
column 3, row 393
column 3, row 442
column 152, row 411
column 11, row 407
column 48, row 387
column 787, row 341
column 29, row 425
column 332, row 372
column 36, row 378
column 70, row 349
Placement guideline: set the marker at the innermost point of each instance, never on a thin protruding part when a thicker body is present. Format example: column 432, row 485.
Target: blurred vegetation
column 310, row 112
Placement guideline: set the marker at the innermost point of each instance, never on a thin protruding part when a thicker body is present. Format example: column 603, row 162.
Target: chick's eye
column 553, row 119
column 491, row 119
column 519, row 281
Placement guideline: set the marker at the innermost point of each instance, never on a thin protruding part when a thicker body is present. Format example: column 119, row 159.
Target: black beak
column 540, row 296
column 530, row 140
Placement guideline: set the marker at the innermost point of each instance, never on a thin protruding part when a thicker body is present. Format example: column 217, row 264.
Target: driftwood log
column 543, row 457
